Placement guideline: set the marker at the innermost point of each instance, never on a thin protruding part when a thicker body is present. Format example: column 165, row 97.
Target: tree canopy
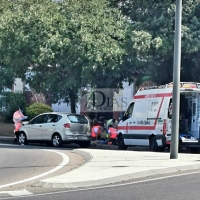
column 60, row 47
column 68, row 45
column 157, row 18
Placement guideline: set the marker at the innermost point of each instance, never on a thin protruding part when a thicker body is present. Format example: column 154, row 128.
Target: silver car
column 56, row 128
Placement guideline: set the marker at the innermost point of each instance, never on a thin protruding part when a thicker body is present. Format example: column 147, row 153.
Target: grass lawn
column 6, row 129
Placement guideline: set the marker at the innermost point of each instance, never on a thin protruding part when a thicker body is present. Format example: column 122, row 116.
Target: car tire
column 153, row 145
column 85, row 144
column 21, row 138
column 57, row 140
column 121, row 145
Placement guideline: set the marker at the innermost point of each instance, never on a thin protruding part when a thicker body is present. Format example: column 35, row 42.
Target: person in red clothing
column 112, row 134
column 96, row 131
column 17, row 119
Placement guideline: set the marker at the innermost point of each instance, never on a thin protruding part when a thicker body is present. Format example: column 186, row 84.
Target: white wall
column 18, row 86
column 123, row 97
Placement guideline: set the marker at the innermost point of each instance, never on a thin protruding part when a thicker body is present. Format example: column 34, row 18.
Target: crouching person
column 96, row 131
column 112, row 135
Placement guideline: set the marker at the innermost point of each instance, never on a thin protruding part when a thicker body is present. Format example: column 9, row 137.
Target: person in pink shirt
column 18, row 117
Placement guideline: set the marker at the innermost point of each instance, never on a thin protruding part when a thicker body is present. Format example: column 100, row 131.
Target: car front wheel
column 21, row 139
column 56, row 140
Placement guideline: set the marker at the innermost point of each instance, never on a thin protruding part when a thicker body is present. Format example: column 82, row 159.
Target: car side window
column 52, row 118
column 39, row 120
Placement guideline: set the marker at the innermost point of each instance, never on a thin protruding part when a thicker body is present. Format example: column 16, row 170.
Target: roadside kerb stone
column 6, row 140
column 109, row 166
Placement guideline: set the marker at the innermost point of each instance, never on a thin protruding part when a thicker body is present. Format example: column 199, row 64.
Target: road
column 178, row 187
column 21, row 166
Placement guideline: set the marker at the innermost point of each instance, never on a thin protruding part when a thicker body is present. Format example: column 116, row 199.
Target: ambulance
column 148, row 118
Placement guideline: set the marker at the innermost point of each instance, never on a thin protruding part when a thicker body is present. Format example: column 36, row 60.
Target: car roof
column 66, row 113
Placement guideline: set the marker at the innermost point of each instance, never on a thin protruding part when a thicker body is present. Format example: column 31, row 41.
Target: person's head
column 110, row 126
column 101, row 118
column 113, row 120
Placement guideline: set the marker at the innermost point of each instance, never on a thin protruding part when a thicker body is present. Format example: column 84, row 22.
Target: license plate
column 82, row 137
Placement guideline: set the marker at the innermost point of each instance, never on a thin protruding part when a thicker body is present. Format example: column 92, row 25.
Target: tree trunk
column 72, row 97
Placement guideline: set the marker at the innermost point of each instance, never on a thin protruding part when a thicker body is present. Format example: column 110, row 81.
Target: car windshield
column 77, row 119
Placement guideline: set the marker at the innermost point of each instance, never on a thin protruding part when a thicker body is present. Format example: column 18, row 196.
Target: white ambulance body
column 147, row 120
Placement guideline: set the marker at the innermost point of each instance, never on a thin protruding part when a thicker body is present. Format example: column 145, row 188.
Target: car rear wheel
column 21, row 138
column 85, row 144
column 57, row 140
column 121, row 144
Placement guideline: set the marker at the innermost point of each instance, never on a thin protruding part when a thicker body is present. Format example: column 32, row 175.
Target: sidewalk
column 111, row 166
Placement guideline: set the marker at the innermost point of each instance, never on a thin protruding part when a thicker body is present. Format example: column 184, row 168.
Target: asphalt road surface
column 21, row 166
column 177, row 187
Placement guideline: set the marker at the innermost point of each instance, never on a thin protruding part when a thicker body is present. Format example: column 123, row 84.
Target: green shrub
column 10, row 103
column 36, row 109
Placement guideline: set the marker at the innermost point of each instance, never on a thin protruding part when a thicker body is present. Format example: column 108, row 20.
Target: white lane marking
column 16, row 193
column 64, row 162
column 107, row 186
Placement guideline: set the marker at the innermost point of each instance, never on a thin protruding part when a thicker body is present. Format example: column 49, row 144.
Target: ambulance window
column 154, row 106
column 141, row 109
column 129, row 112
column 170, row 109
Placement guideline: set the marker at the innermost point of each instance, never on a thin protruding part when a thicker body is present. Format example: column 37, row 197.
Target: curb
column 88, row 157
column 7, row 140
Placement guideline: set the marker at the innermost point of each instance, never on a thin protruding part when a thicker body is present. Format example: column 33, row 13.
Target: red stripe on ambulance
column 152, row 96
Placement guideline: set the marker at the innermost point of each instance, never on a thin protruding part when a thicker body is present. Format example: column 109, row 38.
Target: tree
column 61, row 43
column 69, row 45
column 158, row 18
column 6, row 78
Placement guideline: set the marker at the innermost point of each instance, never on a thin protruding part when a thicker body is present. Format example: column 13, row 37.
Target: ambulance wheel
column 194, row 150
column 21, row 138
column 162, row 149
column 153, row 145
column 121, row 144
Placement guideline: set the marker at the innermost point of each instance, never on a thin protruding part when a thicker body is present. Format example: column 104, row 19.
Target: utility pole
column 176, row 83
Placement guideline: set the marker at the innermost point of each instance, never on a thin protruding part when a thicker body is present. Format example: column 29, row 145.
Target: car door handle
column 130, row 122
column 53, row 125
column 133, row 122
column 40, row 125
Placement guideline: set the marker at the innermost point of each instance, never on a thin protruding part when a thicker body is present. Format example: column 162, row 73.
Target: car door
column 48, row 128
column 34, row 127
